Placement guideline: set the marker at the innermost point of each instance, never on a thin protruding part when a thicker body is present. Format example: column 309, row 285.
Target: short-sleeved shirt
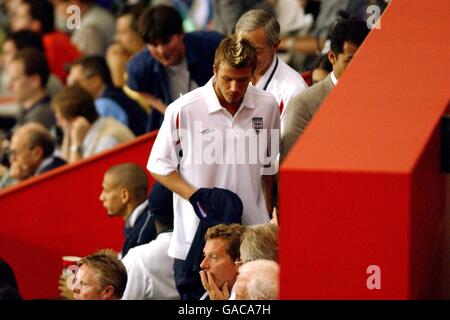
column 150, row 272
column 283, row 82
column 202, row 125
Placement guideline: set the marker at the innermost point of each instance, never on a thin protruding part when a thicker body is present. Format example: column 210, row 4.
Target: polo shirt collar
column 213, row 102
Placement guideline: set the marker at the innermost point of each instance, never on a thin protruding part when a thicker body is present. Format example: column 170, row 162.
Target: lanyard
column 271, row 75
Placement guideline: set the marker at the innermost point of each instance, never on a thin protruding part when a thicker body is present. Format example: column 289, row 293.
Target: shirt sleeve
column 137, row 277
column 105, row 143
column 107, row 107
column 163, row 158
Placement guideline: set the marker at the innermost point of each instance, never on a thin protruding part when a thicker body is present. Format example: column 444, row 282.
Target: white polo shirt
column 283, row 82
column 205, row 131
column 150, row 271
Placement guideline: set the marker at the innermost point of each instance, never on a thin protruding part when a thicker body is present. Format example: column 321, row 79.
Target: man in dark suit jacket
column 124, row 194
column 31, row 154
column 346, row 37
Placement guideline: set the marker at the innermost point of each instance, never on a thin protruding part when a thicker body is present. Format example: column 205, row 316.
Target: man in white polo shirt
column 272, row 75
column 226, row 130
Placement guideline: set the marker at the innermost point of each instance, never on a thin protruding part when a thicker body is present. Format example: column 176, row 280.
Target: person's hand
column 64, row 291
column 116, row 55
column 153, row 101
column 274, row 219
column 211, row 287
column 79, row 128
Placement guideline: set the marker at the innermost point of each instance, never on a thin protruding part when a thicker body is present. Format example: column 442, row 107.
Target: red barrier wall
column 59, row 214
column 362, row 185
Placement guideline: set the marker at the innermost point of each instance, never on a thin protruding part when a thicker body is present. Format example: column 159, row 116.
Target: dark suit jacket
column 301, row 110
column 55, row 163
column 142, row 232
column 137, row 117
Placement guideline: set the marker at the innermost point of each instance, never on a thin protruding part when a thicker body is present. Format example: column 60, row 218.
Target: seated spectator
column 101, row 276
column 26, row 39
column 124, row 195
column 128, row 42
column 258, row 280
column 39, row 16
column 31, row 153
column 28, row 73
column 96, row 30
column 149, row 267
column 259, row 241
column 92, row 74
column 173, row 63
column 219, row 270
column 346, row 37
column 85, row 133
column 321, row 69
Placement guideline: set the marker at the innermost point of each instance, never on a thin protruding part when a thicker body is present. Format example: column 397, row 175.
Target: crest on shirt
column 257, row 124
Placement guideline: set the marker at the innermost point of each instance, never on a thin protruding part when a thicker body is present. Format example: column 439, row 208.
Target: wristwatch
column 78, row 149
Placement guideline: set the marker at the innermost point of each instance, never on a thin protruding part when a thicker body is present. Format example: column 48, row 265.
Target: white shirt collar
column 135, row 214
column 262, row 81
column 213, row 102
column 43, row 164
column 334, row 79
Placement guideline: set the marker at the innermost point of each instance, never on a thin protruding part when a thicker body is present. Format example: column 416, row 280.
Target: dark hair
column 323, row 63
column 95, row 66
column 25, row 39
column 347, row 30
column 43, row 11
column 159, row 23
column 34, row 63
column 73, row 101
column 135, row 12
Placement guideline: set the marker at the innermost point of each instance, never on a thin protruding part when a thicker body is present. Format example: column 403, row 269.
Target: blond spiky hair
column 237, row 52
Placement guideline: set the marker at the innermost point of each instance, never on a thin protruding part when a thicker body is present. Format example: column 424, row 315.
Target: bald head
column 124, row 188
column 30, row 145
column 36, row 135
column 258, row 280
column 131, row 177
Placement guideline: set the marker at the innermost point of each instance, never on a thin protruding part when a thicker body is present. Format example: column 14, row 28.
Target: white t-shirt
column 283, row 82
column 150, row 271
column 180, row 81
column 203, row 124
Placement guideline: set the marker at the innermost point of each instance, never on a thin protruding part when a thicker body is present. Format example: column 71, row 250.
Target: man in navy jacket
column 173, row 63
column 124, row 194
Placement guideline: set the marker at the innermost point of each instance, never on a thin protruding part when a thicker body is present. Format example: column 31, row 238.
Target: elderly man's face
column 24, row 159
column 264, row 52
column 218, row 263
